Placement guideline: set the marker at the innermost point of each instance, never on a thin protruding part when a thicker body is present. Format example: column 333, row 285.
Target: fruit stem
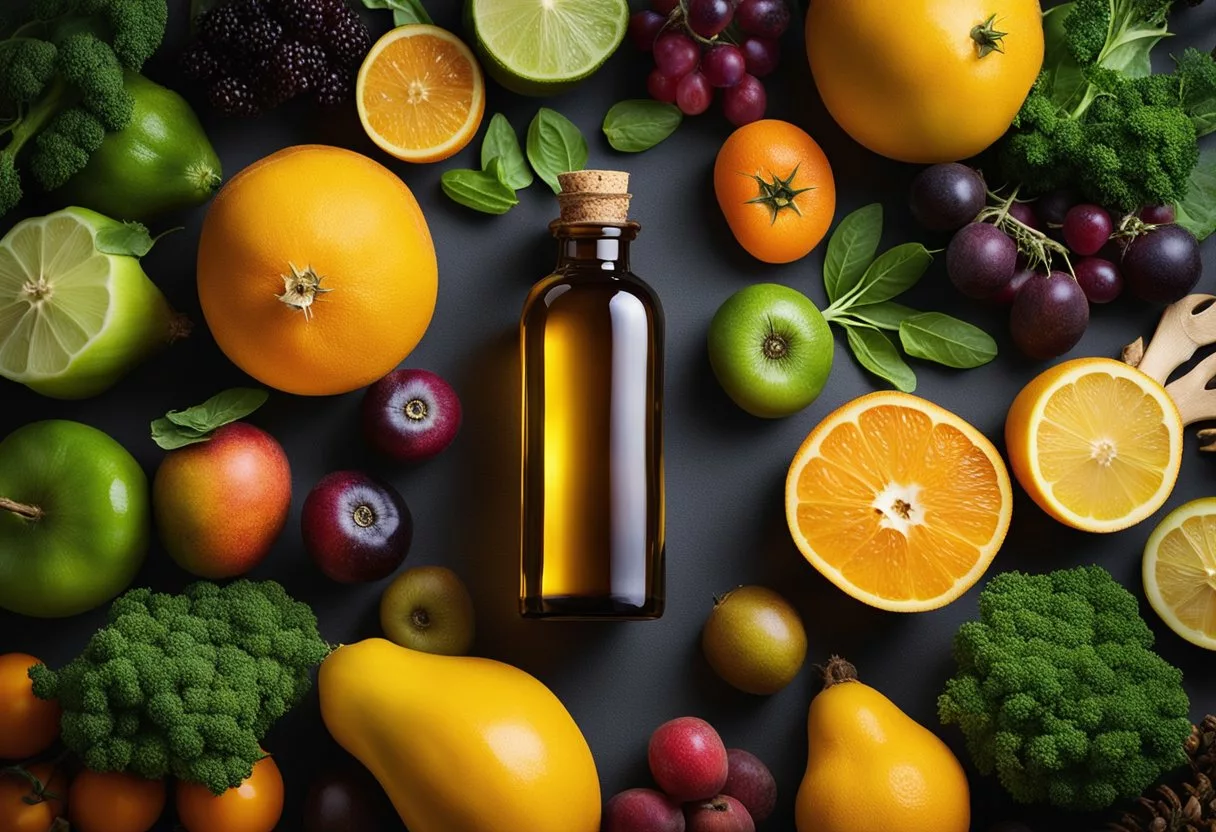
column 21, row 509
column 987, row 38
column 420, row 618
column 301, row 289
column 180, row 327
column 838, row 671
column 1036, row 245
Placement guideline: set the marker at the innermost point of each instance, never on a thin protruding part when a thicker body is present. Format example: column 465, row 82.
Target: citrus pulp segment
column 1096, row 443
column 540, row 47
column 420, row 93
column 898, row 502
column 1179, row 571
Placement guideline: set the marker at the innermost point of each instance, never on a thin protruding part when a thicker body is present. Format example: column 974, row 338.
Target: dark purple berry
column 198, row 62
column 1023, row 213
column 295, row 69
column 1158, row 214
column 761, row 55
column 232, row 96
column 644, row 27
column 764, row 18
column 348, row 41
column 305, row 18
column 1099, row 279
column 262, row 35
column 981, row 259
column 1053, row 207
column 947, row 196
column 224, row 26
column 1162, row 265
column 1049, row 315
column 335, row 87
column 1006, row 294
column 1087, row 228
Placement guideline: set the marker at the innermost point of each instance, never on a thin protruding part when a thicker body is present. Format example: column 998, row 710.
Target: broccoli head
column 64, row 146
column 1059, row 693
column 186, row 684
column 26, row 66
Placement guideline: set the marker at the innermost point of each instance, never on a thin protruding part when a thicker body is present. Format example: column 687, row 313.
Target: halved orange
column 420, row 93
column 899, row 502
column 1096, row 443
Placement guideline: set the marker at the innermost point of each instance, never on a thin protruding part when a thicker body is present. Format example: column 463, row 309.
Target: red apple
column 221, row 504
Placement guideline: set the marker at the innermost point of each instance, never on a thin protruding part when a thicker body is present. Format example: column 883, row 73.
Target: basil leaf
column 946, row 340
column 555, row 146
column 405, row 12
column 893, row 272
column 179, row 428
column 502, row 144
column 1196, row 212
column 851, row 249
column 885, row 315
column 640, row 123
column 481, row 190
column 131, row 239
column 876, row 353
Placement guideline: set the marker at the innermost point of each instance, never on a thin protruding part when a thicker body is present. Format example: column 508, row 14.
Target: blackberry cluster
column 253, row 55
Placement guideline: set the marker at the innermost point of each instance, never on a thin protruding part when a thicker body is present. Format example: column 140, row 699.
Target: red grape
column 1053, row 207
column 947, row 196
column 981, row 259
column 745, row 102
column 1099, row 279
column 694, row 94
column 1023, row 213
column 709, row 17
column 1163, row 265
column 1087, row 228
column 676, row 54
column 1049, row 315
column 1006, row 294
column 761, row 55
column 1158, row 214
column 661, row 87
column 765, row 18
column 723, row 65
column 664, row 7
column 644, row 27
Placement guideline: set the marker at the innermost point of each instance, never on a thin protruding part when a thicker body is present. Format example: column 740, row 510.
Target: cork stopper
column 594, row 196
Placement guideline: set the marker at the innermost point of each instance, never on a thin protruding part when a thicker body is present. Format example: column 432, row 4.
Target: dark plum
column 1162, row 265
column 946, row 197
column 1053, row 207
column 642, row 810
column 749, row 781
column 1087, row 228
column 410, row 415
column 356, row 528
column 1158, row 214
column 644, row 28
column 723, row 65
column 1099, row 279
column 1005, row 295
column 980, row 260
column 1024, row 213
column 745, row 102
column 763, row 18
column 346, row 798
column 708, row 17
column 761, row 55
column 1049, row 315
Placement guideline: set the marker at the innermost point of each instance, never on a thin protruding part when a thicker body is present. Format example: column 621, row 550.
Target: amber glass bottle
column 592, row 354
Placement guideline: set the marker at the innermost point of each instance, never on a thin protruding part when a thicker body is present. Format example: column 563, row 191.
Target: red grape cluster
column 700, row 46
column 1003, row 253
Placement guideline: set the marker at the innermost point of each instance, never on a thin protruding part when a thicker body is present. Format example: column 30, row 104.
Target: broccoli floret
column 10, row 184
column 139, row 27
column 26, row 66
column 63, row 149
column 88, row 64
column 1059, row 693
column 1087, row 28
column 155, row 693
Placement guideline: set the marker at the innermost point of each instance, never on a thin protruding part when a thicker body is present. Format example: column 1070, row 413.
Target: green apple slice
column 74, row 320
column 540, row 47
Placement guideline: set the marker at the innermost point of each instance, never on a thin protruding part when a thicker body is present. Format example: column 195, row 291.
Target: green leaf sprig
column 1196, row 212
column 640, row 123
column 555, row 146
column 179, row 428
column 404, row 11
column 862, row 285
column 128, row 239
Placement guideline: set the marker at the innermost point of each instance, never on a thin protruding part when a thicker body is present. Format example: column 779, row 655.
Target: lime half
column 542, row 47
column 72, row 319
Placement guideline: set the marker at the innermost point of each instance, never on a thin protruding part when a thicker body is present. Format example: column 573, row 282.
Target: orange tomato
column 775, row 186
column 253, row 806
column 114, row 802
column 28, row 725
column 316, row 270
column 17, row 815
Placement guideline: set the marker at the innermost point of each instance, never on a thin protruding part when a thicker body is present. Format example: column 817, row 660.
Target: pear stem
column 21, row 509
column 838, row 671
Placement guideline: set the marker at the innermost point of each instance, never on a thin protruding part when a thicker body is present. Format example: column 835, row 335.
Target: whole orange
column 254, row 806
column 776, row 189
column 316, row 270
column 114, row 802
column 28, row 725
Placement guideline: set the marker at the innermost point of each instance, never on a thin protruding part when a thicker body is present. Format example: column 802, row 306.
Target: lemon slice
column 1180, row 571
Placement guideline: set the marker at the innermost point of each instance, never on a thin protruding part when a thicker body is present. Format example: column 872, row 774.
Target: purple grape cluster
column 702, row 46
column 254, row 55
column 1150, row 256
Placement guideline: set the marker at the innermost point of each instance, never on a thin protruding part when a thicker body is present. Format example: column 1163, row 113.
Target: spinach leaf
column 892, row 272
column 876, row 353
column 934, row 336
column 885, row 315
column 851, row 249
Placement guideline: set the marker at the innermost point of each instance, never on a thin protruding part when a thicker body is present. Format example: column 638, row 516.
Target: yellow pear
column 872, row 768
column 460, row 744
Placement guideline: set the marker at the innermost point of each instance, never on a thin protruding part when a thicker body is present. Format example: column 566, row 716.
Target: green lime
column 73, row 320
column 542, row 47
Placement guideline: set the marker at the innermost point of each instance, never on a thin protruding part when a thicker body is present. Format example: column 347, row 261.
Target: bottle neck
column 599, row 246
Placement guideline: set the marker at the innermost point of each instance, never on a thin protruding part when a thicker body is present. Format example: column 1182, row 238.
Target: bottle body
column 591, row 338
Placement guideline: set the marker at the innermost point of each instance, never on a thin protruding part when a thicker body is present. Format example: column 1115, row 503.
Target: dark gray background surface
column 725, row 469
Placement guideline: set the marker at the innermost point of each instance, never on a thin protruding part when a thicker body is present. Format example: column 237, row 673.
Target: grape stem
column 679, row 17
column 1035, row 245
column 1131, row 227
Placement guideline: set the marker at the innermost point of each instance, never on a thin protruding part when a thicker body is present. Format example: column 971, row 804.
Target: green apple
column 75, row 519
column 428, row 608
column 771, row 350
